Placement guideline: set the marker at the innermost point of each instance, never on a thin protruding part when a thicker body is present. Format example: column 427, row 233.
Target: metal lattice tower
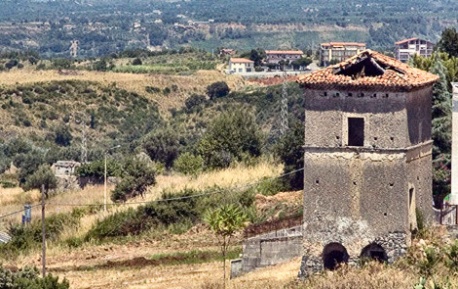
column 83, row 144
column 284, row 110
column 74, row 46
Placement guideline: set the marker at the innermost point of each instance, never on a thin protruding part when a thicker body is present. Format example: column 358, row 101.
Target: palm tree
column 225, row 221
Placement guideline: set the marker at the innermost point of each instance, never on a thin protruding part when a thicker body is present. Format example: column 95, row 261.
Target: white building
column 275, row 56
column 339, row 51
column 240, row 65
column 408, row 47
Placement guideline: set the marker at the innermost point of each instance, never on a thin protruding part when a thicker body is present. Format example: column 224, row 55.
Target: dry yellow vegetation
column 187, row 84
column 89, row 265
column 238, row 175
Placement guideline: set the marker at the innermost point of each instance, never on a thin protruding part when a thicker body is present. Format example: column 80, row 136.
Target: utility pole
column 105, row 182
column 43, row 232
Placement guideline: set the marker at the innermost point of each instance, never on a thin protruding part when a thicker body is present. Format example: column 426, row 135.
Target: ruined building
column 367, row 159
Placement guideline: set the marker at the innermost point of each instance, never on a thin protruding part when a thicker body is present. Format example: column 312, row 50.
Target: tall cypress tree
column 441, row 129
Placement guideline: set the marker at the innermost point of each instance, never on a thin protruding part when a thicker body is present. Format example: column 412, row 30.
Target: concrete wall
column 271, row 248
column 277, row 250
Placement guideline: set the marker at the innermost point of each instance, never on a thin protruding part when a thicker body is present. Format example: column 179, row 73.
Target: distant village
column 329, row 53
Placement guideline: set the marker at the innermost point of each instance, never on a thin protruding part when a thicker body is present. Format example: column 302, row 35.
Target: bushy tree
column 217, row 89
column 302, row 62
column 137, row 61
column 163, row 146
column 42, row 177
column 232, row 136
column 449, row 42
column 63, row 136
column 96, row 169
column 138, row 176
column 290, row 151
column 28, row 163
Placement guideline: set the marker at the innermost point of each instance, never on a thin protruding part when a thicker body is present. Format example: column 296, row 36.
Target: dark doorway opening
column 374, row 251
column 334, row 254
column 356, row 131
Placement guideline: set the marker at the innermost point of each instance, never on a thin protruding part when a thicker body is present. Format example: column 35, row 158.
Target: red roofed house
column 240, row 65
column 408, row 47
column 339, row 51
column 367, row 159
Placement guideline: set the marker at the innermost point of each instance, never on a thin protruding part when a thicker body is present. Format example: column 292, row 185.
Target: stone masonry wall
column 368, row 187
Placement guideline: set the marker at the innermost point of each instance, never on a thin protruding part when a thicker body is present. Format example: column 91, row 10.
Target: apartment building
column 406, row 48
column 339, row 51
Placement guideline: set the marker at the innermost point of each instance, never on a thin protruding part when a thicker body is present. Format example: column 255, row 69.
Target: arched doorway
column 334, row 254
column 374, row 251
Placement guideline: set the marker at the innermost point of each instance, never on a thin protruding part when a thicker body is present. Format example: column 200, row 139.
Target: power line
column 183, row 197
column 16, row 212
column 159, row 200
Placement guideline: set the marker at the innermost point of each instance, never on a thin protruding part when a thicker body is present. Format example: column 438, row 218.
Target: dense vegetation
column 49, row 26
column 29, row 278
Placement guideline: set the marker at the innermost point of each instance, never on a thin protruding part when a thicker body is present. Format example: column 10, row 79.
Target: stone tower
column 367, row 159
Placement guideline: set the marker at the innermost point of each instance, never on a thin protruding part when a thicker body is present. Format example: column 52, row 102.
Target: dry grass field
column 188, row 84
column 125, row 265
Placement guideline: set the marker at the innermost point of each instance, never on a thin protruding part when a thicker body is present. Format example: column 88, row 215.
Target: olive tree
column 42, row 177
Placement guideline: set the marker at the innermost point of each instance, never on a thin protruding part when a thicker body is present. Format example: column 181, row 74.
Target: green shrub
column 24, row 238
column 189, row 164
column 130, row 222
column 137, row 61
column 269, row 186
column 74, row 242
column 29, row 278
column 217, row 89
column 152, row 89
column 194, row 101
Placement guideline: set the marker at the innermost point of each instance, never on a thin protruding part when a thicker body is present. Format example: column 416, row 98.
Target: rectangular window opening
column 356, row 131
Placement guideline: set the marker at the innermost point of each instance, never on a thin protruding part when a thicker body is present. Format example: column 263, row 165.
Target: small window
column 356, row 131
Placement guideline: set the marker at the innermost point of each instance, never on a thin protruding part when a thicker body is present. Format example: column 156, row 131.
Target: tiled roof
column 410, row 39
column 241, row 60
column 290, row 52
column 368, row 70
column 344, row 44
column 405, row 40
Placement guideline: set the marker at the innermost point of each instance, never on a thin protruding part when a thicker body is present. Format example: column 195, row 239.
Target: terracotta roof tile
column 344, row 44
column 368, row 70
column 406, row 40
column 241, row 60
column 292, row 52
column 410, row 39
